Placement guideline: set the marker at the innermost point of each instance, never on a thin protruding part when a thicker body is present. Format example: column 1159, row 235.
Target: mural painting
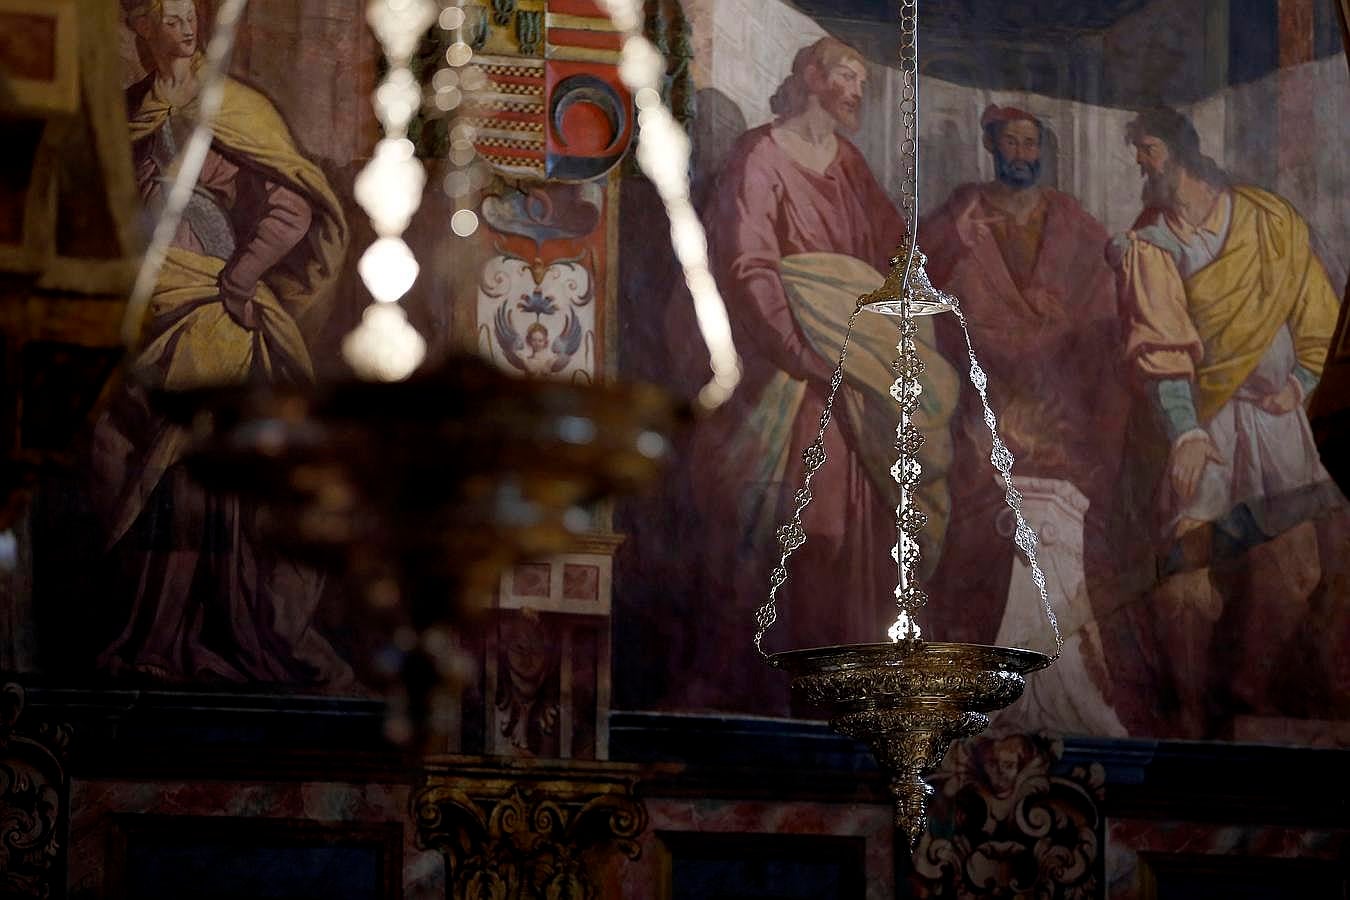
column 1151, row 265
column 190, row 591
column 799, row 225
column 259, row 247
column 1143, row 214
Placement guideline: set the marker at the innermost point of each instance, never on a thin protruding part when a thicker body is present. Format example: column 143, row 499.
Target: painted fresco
column 258, row 251
column 1143, row 214
column 256, row 288
column 1142, row 210
column 178, row 586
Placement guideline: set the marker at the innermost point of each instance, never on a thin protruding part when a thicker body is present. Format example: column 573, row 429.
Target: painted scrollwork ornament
column 1012, row 824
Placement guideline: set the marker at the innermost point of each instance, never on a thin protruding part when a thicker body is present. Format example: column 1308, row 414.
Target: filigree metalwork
column 1011, row 824
column 906, row 293
column 907, row 471
column 792, row 535
column 33, row 805
column 923, row 298
column 908, row 701
column 533, row 839
column 1002, row 459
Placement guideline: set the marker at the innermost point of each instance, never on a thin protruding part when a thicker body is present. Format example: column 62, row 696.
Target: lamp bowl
column 908, row 701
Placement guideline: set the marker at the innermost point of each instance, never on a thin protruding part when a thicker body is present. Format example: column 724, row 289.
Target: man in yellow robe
column 1228, row 317
column 258, row 250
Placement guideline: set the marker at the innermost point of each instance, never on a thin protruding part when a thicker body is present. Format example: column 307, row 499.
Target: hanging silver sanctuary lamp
column 907, row 698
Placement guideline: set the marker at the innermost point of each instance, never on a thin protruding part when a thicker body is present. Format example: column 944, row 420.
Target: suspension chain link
column 792, row 535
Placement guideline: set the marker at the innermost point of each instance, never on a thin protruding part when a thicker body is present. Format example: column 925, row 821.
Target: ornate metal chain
column 906, row 389
column 1002, row 460
column 792, row 535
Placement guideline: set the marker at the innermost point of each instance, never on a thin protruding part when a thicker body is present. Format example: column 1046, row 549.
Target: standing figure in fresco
column 1228, row 316
column 260, row 245
column 798, row 229
column 1026, row 262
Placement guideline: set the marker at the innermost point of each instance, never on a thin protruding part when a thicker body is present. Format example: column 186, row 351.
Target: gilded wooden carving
column 33, row 800
column 524, row 838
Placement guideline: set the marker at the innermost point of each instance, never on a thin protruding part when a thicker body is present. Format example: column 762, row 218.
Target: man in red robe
column 798, row 228
column 1026, row 262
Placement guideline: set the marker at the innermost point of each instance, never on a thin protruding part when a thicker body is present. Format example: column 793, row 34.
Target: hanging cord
column 189, row 168
column 663, row 151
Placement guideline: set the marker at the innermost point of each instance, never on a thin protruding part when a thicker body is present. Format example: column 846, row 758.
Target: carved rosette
column 525, row 840
column 1011, row 825
column 32, row 800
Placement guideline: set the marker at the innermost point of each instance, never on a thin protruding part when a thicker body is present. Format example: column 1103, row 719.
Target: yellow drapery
column 251, row 129
column 188, row 340
column 1216, row 325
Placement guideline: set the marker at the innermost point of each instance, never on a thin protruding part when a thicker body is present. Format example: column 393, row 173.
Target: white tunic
column 1264, row 455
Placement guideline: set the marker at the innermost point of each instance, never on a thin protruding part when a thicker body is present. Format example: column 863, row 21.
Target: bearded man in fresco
column 259, row 246
column 1228, row 315
column 1026, row 262
column 798, row 229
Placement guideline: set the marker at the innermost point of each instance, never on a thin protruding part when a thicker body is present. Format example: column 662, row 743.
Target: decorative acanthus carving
column 1004, row 825
column 32, row 800
column 527, row 838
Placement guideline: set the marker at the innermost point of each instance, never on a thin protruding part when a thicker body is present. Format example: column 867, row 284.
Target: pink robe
column 1050, row 342
column 767, row 206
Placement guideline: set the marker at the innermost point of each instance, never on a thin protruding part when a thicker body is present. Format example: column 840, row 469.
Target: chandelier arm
column 190, row 162
column 791, row 535
column 1002, row 460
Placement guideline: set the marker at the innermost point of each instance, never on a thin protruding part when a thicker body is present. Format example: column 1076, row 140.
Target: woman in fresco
column 258, row 249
